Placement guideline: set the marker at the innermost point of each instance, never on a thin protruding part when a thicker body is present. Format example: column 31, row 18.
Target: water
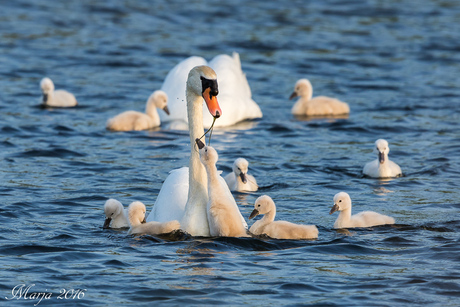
column 395, row 62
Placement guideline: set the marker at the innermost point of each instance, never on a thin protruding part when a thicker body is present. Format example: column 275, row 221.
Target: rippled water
column 395, row 62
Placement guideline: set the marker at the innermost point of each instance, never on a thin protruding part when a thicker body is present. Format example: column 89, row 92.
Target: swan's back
column 322, row 105
column 288, row 230
column 62, row 98
column 130, row 120
column 369, row 219
column 387, row 170
column 154, row 228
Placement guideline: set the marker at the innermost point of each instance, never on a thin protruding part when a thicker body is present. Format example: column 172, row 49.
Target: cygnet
column 56, row 98
column 133, row 120
column 317, row 106
column 224, row 217
column 136, row 213
column 239, row 180
column 278, row 229
column 342, row 203
column 382, row 167
column 115, row 215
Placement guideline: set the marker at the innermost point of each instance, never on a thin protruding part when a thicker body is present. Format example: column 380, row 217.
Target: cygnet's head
column 302, row 88
column 136, row 213
column 382, row 149
column 263, row 205
column 240, row 168
column 342, row 201
column 159, row 99
column 47, row 85
column 202, row 80
column 112, row 209
column 208, row 155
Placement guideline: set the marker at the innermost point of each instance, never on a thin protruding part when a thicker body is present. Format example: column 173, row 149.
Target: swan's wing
column 234, row 92
column 171, row 200
column 229, row 195
column 174, row 85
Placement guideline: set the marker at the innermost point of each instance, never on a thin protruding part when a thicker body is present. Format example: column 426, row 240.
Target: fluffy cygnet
column 224, row 217
column 239, row 180
column 382, row 167
column 115, row 215
column 56, row 98
column 136, row 213
column 133, row 120
column 278, row 229
column 317, row 106
column 342, row 203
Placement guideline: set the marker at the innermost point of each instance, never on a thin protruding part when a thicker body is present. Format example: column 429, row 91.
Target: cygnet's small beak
column 334, row 208
column 107, row 223
column 381, row 157
column 243, row 177
column 293, row 95
column 199, row 143
column 143, row 221
column 45, row 98
column 254, row 213
column 166, row 110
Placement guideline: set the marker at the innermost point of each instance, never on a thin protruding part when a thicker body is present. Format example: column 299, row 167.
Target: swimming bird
column 342, row 203
column 317, row 106
column 133, row 120
column 277, row 229
column 382, row 167
column 234, row 95
column 224, row 217
column 115, row 215
column 136, row 213
column 239, row 180
column 56, row 98
column 184, row 194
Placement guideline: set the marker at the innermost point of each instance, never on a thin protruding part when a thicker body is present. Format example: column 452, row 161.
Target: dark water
column 397, row 63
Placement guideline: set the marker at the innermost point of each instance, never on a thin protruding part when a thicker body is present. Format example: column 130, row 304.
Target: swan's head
column 159, row 99
column 263, row 205
column 342, row 201
column 202, row 80
column 240, row 168
column 47, row 85
column 302, row 88
column 112, row 209
column 208, row 155
column 382, row 149
column 136, row 213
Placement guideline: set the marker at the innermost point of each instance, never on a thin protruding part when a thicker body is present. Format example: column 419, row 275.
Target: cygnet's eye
column 206, row 150
column 340, row 201
column 258, row 205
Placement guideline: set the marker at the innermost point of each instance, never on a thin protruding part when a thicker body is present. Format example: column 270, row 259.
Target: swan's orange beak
column 211, row 102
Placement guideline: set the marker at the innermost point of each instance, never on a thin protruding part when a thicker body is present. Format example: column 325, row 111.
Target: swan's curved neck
column 344, row 216
column 268, row 217
column 195, row 216
column 151, row 111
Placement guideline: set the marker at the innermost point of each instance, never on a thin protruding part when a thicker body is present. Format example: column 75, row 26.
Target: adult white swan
column 184, row 194
column 234, row 91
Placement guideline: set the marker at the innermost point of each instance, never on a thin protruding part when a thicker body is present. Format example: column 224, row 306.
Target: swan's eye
column 206, row 150
column 340, row 201
column 258, row 205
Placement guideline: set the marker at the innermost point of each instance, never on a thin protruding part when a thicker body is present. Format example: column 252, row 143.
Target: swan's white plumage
column 224, row 217
column 342, row 203
column 136, row 213
column 278, row 229
column 317, row 106
column 234, row 91
column 194, row 216
column 116, row 216
column 56, row 98
column 235, row 179
column 134, row 120
column 382, row 167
